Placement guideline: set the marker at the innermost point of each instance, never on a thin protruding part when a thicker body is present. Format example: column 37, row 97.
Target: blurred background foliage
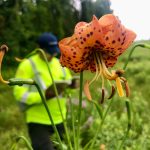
column 21, row 21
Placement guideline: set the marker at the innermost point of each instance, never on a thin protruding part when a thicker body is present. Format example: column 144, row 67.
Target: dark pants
column 40, row 135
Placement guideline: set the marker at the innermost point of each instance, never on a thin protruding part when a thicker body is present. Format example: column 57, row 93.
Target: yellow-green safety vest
column 36, row 68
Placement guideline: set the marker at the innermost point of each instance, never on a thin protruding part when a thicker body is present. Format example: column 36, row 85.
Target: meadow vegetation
column 12, row 120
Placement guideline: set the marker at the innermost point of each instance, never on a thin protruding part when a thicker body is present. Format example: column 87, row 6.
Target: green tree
column 102, row 7
column 21, row 21
column 98, row 8
column 87, row 10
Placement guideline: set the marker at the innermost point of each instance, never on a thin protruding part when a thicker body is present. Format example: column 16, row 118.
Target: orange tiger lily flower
column 96, row 46
column 3, row 49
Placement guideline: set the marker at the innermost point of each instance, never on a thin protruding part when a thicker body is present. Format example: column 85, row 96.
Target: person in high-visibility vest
column 39, row 125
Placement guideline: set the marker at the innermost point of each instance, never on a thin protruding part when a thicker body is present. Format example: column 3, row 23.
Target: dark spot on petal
column 84, row 53
column 107, row 38
column 97, row 42
column 123, row 33
column 88, row 35
column 122, row 43
column 84, row 39
column 113, row 42
column 119, row 48
column 124, row 38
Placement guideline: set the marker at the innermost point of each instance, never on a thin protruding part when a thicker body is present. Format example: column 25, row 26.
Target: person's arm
column 50, row 92
column 22, row 93
column 61, row 85
column 75, row 82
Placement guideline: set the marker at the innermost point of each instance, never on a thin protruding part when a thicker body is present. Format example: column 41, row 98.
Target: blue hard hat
column 49, row 43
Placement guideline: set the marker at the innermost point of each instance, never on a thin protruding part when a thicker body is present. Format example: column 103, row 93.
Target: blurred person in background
column 39, row 125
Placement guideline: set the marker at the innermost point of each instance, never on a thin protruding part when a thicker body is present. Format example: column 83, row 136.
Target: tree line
column 21, row 21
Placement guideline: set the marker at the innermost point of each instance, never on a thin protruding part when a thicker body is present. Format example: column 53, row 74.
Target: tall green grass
column 138, row 75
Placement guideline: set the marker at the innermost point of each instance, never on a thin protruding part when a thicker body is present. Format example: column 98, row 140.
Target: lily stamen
column 112, row 92
column 127, row 89
column 103, row 96
column 103, row 72
column 98, row 71
column 99, row 64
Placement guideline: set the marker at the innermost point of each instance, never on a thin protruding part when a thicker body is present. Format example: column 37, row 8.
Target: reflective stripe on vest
column 24, row 97
column 37, row 75
column 65, row 74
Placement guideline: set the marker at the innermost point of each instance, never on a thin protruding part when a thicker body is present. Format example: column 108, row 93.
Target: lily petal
column 116, row 37
column 72, row 56
column 88, row 34
column 87, row 91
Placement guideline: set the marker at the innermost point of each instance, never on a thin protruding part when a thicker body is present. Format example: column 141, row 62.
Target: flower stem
column 57, row 97
column 99, row 109
column 72, row 121
column 99, row 129
column 129, row 124
column 49, row 114
column 24, row 139
column 132, row 50
column 32, row 82
column 79, row 109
